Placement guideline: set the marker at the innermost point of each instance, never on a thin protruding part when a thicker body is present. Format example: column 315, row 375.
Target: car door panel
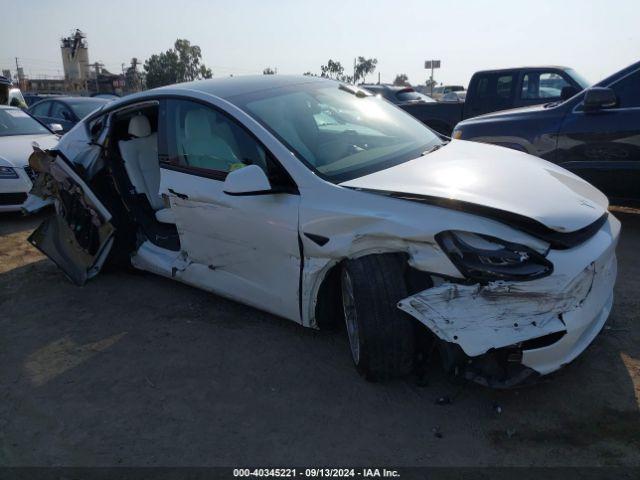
column 79, row 236
column 604, row 146
column 243, row 247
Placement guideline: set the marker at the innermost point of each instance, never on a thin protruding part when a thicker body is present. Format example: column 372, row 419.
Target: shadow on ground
column 133, row 369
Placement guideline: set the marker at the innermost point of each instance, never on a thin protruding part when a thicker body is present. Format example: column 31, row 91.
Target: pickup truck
column 493, row 90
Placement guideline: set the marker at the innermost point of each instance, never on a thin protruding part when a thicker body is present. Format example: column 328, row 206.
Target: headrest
column 196, row 124
column 139, row 126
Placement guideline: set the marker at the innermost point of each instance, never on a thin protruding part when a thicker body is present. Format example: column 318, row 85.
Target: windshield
column 85, row 107
column 14, row 121
column 338, row 131
column 578, row 78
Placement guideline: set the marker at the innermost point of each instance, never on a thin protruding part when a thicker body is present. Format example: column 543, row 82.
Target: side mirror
column 249, row 180
column 567, row 92
column 56, row 128
column 597, row 98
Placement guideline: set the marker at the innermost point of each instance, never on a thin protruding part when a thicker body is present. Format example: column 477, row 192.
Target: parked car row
column 18, row 130
column 42, row 123
column 65, row 111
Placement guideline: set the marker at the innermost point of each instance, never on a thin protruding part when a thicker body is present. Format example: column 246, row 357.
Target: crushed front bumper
column 542, row 324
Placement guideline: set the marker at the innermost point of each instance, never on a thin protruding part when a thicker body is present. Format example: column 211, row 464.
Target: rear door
column 490, row 92
column 79, row 236
column 603, row 146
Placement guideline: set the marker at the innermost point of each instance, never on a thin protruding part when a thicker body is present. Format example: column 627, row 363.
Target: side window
column 41, row 109
column 536, row 85
column 504, row 86
column 60, row 112
column 493, row 92
column 483, row 87
column 628, row 90
column 204, row 139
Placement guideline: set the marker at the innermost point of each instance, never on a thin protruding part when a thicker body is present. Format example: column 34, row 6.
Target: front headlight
column 484, row 259
column 8, row 172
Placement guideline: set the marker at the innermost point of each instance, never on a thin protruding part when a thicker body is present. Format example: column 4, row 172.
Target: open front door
column 79, row 236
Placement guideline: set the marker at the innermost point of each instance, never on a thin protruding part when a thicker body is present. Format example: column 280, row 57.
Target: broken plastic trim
column 511, row 262
column 557, row 240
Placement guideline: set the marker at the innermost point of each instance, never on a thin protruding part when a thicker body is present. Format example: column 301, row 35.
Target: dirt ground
column 133, row 369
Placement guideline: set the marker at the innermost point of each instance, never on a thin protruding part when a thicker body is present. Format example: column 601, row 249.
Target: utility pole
column 97, row 66
column 354, row 71
column 378, row 78
column 18, row 74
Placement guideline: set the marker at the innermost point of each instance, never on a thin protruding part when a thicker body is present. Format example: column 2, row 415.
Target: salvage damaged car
column 318, row 202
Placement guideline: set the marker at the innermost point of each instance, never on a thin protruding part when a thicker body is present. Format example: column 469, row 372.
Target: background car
column 439, row 92
column 66, row 111
column 595, row 134
column 33, row 97
column 18, row 130
column 455, row 97
column 398, row 94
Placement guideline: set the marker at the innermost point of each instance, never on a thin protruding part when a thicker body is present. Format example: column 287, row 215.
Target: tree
column 401, row 80
column 268, row 71
column 333, row 70
column 364, row 67
column 430, row 84
column 133, row 78
column 178, row 64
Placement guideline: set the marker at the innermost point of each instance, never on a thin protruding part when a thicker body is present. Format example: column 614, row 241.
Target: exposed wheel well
column 328, row 309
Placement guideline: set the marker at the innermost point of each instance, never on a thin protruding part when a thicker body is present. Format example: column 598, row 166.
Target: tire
column 381, row 336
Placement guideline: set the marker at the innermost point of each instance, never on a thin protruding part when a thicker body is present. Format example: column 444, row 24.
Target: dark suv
column 595, row 134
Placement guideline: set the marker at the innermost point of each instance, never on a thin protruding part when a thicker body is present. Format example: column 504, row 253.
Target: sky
column 243, row 37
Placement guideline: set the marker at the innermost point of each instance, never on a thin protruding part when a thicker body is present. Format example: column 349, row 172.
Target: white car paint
column 496, row 177
column 14, row 153
column 256, row 248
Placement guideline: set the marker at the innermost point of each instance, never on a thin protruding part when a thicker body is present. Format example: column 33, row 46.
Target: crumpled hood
column 16, row 149
column 498, row 178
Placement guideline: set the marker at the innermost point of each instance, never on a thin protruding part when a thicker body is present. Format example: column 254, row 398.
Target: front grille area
column 12, row 198
column 32, row 174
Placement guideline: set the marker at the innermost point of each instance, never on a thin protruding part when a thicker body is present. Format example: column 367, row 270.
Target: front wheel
column 381, row 337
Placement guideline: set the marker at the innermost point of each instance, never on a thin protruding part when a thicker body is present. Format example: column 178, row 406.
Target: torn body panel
column 479, row 318
column 79, row 236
